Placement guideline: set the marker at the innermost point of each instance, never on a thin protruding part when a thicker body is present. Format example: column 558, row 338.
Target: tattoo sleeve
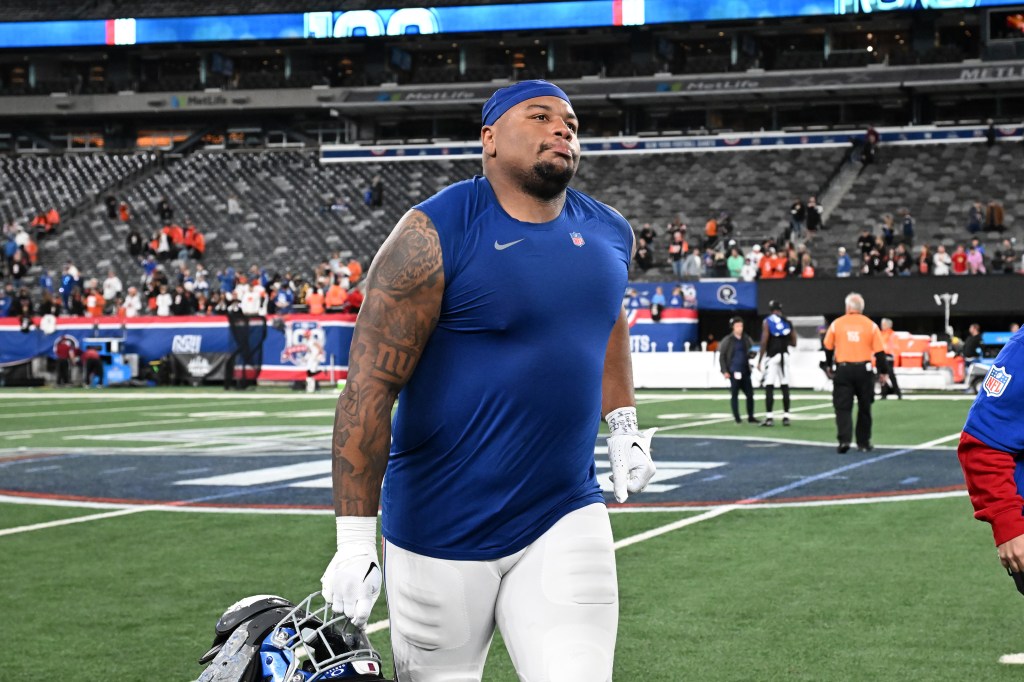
column 404, row 287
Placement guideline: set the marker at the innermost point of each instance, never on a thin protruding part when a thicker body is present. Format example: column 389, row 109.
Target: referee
column 850, row 342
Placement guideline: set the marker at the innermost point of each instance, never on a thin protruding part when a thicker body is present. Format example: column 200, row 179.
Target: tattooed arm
column 403, row 300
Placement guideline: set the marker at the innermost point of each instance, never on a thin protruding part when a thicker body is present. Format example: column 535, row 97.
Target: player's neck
column 522, row 205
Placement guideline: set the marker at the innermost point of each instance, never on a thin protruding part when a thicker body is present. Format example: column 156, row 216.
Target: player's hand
column 351, row 583
column 1011, row 554
column 632, row 468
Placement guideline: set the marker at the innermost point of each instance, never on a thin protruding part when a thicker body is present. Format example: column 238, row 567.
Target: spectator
column 164, row 301
column 975, row 261
column 975, row 217
column 725, row 225
column 888, row 233
column 1009, row 257
column 18, row 268
column 7, row 300
column 994, row 217
column 335, row 297
column 908, row 227
column 111, row 203
column 198, row 246
column 76, row 304
column 644, row 257
column 52, row 221
column 814, row 217
column 865, row 242
column 315, row 302
column 941, row 262
column 871, row 140
column 124, row 212
column 112, row 286
column 131, row 306
column 354, row 301
column 282, row 298
column 844, row 265
column 46, row 282
column 183, row 302
column 647, row 233
column 959, row 259
column 47, row 304
column 797, row 215
column 904, row 264
column 676, row 252
column 806, row 266
column 377, row 191
column 756, row 254
column 924, row 260
column 748, row 273
column 710, row 232
column 134, row 243
column 692, row 267
column 773, row 265
column 990, row 133
column 39, row 224
column 735, row 262
column 95, row 304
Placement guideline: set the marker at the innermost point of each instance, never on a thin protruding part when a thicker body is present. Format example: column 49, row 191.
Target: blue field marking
column 718, row 471
column 807, row 480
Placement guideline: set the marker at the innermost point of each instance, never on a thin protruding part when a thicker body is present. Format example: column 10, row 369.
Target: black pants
column 853, row 380
column 735, row 386
column 892, row 386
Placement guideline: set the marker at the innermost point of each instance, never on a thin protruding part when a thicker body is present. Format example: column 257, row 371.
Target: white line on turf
column 68, row 522
column 729, row 418
column 1012, row 659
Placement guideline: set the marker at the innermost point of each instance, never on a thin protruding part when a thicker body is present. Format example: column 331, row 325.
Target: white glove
column 351, row 583
column 629, row 453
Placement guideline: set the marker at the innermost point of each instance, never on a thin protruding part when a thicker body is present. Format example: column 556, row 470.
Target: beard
column 547, row 180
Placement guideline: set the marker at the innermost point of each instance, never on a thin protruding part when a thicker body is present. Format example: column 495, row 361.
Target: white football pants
column 556, row 604
column 776, row 370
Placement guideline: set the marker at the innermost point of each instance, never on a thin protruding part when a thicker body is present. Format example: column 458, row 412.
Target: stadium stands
column 295, row 212
column 937, row 183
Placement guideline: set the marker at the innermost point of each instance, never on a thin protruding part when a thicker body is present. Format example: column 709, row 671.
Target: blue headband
column 506, row 98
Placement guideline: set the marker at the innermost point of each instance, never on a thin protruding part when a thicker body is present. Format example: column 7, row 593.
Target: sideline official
column 850, row 342
column 734, row 360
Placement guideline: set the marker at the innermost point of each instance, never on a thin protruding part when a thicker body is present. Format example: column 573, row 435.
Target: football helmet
column 265, row 638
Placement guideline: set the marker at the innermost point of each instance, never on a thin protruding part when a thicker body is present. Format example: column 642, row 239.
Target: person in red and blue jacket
column 991, row 453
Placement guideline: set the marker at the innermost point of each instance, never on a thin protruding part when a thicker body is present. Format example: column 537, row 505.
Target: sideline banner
column 286, row 345
column 196, row 368
column 153, row 338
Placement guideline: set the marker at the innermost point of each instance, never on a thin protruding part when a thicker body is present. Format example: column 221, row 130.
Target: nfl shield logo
column 996, row 381
column 577, row 238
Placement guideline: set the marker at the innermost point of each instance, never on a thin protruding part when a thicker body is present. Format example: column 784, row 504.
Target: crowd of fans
column 888, row 250
column 171, row 278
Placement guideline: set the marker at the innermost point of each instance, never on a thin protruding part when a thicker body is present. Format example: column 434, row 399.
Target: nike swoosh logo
column 502, row 247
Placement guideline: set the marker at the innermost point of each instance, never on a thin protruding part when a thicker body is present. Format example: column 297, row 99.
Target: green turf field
column 888, row 591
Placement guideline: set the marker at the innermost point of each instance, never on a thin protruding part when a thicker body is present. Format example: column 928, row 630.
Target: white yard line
column 730, row 418
column 76, row 519
column 63, row 413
